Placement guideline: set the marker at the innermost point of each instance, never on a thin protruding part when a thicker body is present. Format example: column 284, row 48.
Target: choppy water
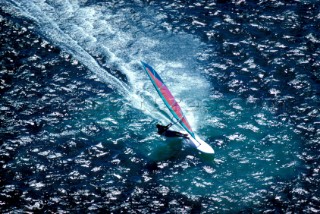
column 78, row 114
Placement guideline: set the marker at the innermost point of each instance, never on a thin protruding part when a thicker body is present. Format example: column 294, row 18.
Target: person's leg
column 170, row 133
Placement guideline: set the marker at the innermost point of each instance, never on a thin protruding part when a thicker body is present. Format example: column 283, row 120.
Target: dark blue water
column 78, row 113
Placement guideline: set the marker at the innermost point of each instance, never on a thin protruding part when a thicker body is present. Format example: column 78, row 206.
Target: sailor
column 164, row 130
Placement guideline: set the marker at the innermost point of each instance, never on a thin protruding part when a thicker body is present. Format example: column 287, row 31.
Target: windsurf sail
column 168, row 98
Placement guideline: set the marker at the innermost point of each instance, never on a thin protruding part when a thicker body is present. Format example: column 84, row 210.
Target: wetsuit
column 164, row 130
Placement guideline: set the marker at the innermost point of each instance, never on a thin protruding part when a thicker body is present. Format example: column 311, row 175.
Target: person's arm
column 169, row 125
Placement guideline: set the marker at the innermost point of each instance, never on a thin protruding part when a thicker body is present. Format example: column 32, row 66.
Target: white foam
column 88, row 32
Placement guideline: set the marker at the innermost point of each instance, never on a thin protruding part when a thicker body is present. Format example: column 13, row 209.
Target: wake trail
column 53, row 32
column 89, row 32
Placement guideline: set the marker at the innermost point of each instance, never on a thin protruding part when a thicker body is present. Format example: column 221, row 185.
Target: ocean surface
column 78, row 113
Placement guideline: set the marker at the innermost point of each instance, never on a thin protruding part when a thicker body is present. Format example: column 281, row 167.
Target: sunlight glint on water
column 80, row 123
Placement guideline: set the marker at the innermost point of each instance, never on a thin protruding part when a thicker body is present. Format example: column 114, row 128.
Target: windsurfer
column 164, row 130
